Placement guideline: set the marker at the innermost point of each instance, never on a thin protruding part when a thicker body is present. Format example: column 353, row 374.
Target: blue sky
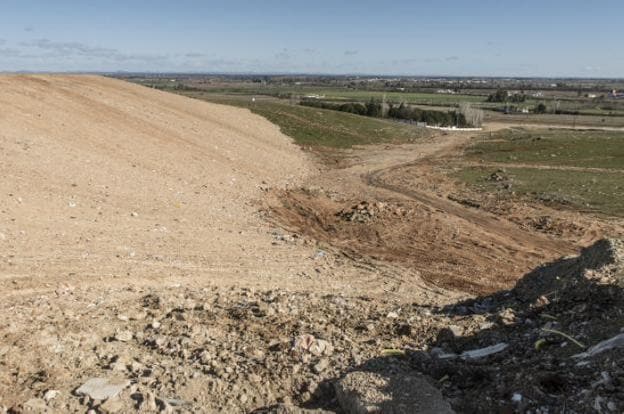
column 453, row 37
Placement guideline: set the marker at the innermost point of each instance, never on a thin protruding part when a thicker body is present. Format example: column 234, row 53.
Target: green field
column 395, row 97
column 578, row 110
column 330, row 94
column 320, row 127
column 561, row 147
column 581, row 170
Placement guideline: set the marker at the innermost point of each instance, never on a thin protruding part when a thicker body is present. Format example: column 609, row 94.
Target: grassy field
column 397, row 97
column 556, row 119
column 561, row 147
column 320, row 127
column 589, row 112
column 332, row 94
column 582, row 170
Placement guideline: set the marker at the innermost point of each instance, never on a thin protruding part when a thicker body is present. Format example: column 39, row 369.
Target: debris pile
column 555, row 341
column 362, row 212
column 558, row 337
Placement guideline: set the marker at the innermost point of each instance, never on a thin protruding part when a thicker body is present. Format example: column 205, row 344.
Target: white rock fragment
column 102, row 388
column 312, row 345
column 50, row 395
column 124, row 336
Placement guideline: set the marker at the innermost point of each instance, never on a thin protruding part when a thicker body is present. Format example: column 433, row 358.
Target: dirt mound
column 105, row 179
column 546, row 323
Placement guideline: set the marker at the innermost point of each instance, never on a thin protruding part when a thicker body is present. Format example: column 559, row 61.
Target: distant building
column 614, row 94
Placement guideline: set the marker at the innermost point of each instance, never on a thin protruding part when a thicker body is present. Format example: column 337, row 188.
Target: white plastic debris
column 472, row 354
column 483, row 352
column 615, row 342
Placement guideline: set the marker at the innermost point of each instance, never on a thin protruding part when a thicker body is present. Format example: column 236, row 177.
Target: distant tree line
column 377, row 109
column 502, row 95
column 439, row 118
column 351, row 107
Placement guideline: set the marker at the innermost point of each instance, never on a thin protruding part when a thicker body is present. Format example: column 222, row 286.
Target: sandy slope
column 111, row 191
column 106, row 179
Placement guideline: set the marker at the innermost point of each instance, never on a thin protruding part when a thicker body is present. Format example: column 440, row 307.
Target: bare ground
column 186, row 249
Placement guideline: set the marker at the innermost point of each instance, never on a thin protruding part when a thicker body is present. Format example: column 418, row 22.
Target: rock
column 456, row 330
column 507, row 316
column 368, row 392
column 35, row 405
column 149, row 403
column 308, row 343
column 102, row 388
column 392, row 315
column 124, row 336
column 50, row 395
column 111, row 406
column 321, row 365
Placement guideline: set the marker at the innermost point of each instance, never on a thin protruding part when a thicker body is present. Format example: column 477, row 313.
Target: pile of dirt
column 365, row 211
column 547, row 322
column 468, row 257
column 106, row 179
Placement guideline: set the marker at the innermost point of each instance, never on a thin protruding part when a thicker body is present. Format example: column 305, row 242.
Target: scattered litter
column 615, row 342
column 483, row 352
column 472, row 354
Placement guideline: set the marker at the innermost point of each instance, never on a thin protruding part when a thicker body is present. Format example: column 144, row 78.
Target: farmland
column 320, row 127
column 582, row 169
column 576, row 103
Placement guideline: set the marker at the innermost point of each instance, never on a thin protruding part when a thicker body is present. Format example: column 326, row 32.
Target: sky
column 554, row 38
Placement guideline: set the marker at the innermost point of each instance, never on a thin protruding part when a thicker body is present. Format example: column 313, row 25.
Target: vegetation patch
column 321, row 127
column 554, row 147
column 599, row 192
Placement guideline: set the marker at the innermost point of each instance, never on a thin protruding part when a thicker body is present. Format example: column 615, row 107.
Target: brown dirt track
column 475, row 250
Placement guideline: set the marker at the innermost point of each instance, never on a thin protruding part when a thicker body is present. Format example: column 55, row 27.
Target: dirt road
column 474, row 250
column 503, row 231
